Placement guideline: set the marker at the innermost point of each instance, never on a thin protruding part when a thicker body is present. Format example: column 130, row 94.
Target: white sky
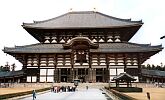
column 14, row 12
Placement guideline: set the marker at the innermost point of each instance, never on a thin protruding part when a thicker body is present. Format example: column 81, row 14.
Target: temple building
column 86, row 45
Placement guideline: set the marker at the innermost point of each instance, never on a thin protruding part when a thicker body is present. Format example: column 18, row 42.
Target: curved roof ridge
column 146, row 45
column 36, row 22
column 83, row 12
column 28, row 45
column 127, row 20
column 157, row 45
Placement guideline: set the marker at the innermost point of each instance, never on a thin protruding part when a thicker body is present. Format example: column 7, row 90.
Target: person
column 87, row 87
column 51, row 89
column 55, row 89
column 34, row 94
column 148, row 95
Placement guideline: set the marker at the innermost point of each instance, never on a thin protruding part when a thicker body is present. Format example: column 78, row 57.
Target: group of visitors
column 57, row 89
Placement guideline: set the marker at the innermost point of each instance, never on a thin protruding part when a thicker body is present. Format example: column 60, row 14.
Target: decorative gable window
column 81, row 57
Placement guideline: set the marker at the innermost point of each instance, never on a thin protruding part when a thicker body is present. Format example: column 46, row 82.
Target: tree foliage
column 160, row 67
column 7, row 67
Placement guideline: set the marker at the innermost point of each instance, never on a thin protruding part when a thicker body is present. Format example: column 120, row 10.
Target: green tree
column 6, row 68
column 158, row 67
column 13, row 66
column 164, row 68
column 1, row 68
column 153, row 67
column 148, row 66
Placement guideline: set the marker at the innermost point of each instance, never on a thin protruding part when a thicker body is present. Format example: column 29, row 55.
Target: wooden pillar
column 139, row 67
column 77, row 73
column 38, row 70
column 90, row 75
column 125, row 64
column 4, row 80
column 25, row 57
column 70, row 79
column 90, row 59
column 94, row 75
column 59, row 75
column 58, row 38
column 85, row 75
column 152, row 79
column 55, row 68
column 162, row 79
column 67, row 75
column 105, row 37
column 103, row 75
column 127, row 84
column 72, row 73
column 13, row 79
column 107, row 74
column 55, row 75
column 117, row 83
column 72, row 59
column 90, row 68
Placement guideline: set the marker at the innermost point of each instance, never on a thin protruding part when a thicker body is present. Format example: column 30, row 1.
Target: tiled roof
column 103, row 47
column 11, row 73
column 82, row 19
column 38, row 48
column 126, row 47
column 146, row 72
column 124, row 76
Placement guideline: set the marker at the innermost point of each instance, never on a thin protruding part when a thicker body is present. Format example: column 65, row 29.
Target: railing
column 118, row 95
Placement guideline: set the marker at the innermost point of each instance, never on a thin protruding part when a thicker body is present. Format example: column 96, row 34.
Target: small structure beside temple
column 123, row 78
column 153, row 76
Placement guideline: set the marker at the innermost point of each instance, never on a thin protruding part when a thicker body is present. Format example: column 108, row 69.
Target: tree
column 158, row 67
column 6, row 68
column 13, row 66
column 1, row 68
column 148, row 66
column 164, row 68
column 153, row 67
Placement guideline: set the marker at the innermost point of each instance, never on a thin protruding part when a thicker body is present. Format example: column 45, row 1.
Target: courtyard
column 82, row 94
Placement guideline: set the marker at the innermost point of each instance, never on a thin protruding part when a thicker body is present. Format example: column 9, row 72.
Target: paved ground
column 90, row 94
column 15, row 90
column 155, row 94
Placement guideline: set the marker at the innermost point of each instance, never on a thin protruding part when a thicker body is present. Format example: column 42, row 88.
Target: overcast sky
column 14, row 12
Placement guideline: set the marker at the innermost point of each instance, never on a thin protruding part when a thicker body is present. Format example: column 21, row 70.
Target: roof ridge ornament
column 71, row 10
column 94, row 9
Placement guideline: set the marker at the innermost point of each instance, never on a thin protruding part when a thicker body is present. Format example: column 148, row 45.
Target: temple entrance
column 64, row 75
column 81, row 75
column 99, row 78
column 82, row 79
column 99, row 75
column 63, row 78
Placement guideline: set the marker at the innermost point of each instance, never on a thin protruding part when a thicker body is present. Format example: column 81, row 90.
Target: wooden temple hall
column 85, row 45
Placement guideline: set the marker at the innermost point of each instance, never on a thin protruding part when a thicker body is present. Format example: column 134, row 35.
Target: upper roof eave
column 102, row 27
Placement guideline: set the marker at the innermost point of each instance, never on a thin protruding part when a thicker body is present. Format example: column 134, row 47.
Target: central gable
column 80, row 43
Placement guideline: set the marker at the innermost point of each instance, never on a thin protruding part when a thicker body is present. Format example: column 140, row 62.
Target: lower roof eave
column 10, row 53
